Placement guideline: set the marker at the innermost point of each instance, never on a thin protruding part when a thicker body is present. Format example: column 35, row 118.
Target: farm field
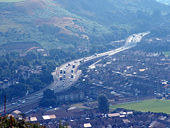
column 153, row 105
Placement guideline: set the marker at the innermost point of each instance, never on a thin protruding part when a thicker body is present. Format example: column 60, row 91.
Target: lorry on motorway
column 72, row 76
column 61, row 71
column 61, row 78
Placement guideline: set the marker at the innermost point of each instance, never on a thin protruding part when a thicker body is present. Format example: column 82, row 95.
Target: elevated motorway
column 67, row 74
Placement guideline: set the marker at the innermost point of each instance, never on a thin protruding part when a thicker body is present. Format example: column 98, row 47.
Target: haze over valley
column 85, row 63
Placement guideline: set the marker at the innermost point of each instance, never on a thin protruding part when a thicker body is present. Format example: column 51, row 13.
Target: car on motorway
column 19, row 101
column 23, row 101
column 61, row 71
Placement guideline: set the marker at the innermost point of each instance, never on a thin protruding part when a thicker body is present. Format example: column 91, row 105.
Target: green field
column 167, row 53
column 11, row 0
column 153, row 105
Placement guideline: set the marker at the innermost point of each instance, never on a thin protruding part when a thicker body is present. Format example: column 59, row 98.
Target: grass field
column 167, row 53
column 153, row 105
column 11, row 0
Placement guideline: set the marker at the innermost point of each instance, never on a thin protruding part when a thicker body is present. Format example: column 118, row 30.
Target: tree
column 10, row 122
column 49, row 98
column 49, row 94
column 103, row 104
column 62, row 126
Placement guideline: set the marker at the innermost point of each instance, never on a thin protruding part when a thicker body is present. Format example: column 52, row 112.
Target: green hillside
column 65, row 24
column 47, row 23
column 127, row 14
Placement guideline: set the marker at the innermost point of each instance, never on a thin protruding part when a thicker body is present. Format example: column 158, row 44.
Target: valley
column 85, row 63
column 61, row 24
column 60, row 85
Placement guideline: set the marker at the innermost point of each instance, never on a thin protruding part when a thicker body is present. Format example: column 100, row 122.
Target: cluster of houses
column 90, row 118
column 21, row 72
column 129, row 74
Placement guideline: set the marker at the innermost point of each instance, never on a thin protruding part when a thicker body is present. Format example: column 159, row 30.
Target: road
column 68, row 73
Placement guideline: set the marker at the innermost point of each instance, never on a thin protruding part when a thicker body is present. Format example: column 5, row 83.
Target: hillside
column 46, row 22
column 127, row 16
column 167, row 2
column 80, row 23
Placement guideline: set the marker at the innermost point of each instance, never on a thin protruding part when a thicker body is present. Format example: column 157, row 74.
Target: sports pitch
column 153, row 105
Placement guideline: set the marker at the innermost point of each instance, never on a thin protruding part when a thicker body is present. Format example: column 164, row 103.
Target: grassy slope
column 153, row 105
column 107, row 20
column 24, row 22
column 112, row 11
column 122, row 17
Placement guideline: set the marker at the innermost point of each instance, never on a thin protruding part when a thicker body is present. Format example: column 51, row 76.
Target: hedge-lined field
column 153, row 105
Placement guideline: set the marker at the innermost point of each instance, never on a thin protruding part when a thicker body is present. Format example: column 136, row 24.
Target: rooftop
column 87, row 125
column 33, row 119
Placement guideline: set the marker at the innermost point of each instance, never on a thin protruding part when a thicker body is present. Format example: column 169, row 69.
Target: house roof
column 17, row 112
column 33, row 119
column 87, row 125
column 113, row 114
column 128, row 113
column 46, row 117
column 52, row 116
column 126, row 121
column 10, row 115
